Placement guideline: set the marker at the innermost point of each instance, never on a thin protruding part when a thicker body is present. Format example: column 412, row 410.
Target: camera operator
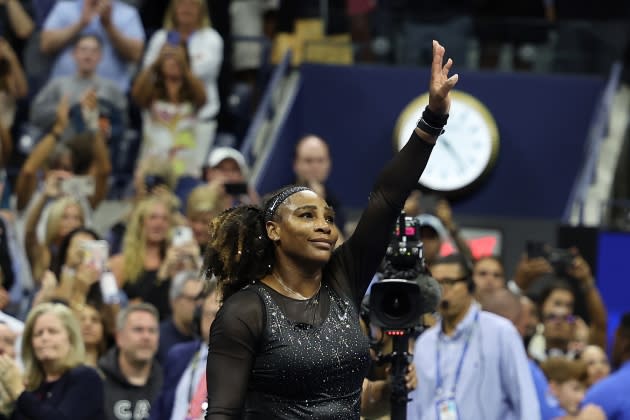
column 392, row 317
column 471, row 362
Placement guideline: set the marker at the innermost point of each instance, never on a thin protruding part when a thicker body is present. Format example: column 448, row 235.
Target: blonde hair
column 134, row 243
column 33, row 371
column 159, row 166
column 169, row 17
column 202, row 199
column 55, row 214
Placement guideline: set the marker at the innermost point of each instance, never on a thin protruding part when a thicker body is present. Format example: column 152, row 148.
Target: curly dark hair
column 239, row 251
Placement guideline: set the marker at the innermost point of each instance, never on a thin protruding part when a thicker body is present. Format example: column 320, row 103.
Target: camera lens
column 396, row 305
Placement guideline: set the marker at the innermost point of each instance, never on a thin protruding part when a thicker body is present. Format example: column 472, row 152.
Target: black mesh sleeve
column 234, row 337
column 360, row 256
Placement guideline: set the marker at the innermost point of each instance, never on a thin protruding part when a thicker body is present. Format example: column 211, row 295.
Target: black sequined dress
column 273, row 357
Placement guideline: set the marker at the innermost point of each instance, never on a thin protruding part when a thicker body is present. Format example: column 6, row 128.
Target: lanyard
column 193, row 368
column 438, row 375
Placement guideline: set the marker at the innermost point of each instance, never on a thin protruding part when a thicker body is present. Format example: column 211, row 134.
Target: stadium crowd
column 130, row 100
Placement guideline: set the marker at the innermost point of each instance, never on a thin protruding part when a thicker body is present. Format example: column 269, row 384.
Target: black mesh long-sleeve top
column 271, row 356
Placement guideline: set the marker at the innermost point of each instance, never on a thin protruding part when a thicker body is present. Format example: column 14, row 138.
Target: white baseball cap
column 219, row 154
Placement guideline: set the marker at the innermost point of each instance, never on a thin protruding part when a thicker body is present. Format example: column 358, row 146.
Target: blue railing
column 266, row 108
column 596, row 135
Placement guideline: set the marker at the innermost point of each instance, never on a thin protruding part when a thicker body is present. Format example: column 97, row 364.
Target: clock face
column 464, row 153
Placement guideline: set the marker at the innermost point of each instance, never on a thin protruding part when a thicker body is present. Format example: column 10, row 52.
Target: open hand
column 441, row 84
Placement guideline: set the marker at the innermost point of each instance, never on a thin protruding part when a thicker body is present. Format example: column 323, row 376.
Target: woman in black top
column 286, row 343
column 56, row 384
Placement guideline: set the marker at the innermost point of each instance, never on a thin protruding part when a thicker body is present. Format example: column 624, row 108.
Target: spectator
column 566, row 382
column 556, row 304
column 13, row 86
column 113, row 21
column 227, row 167
column 204, row 202
column 7, row 347
column 465, row 342
column 517, row 309
column 78, row 268
column 445, row 214
column 95, row 332
column 186, row 24
column 97, row 103
column 55, row 383
column 16, row 25
column 179, row 328
column 311, row 166
column 610, row 393
column 170, row 96
column 597, row 364
column 8, row 340
column 144, row 252
column 432, row 234
column 488, row 275
column 184, row 370
column 153, row 176
column 82, row 155
column 64, row 215
column 132, row 376
column 529, row 319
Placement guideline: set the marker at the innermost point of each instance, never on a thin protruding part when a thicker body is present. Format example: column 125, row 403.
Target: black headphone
column 468, row 267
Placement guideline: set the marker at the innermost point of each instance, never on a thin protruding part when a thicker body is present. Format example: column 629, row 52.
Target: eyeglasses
column 451, row 282
column 560, row 317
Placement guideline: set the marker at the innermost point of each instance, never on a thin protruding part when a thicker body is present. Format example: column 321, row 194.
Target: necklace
column 293, row 292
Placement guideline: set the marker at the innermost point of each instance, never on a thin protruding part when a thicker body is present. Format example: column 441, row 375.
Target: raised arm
column 142, row 91
column 128, row 47
column 26, row 183
column 20, row 21
column 16, row 80
column 594, row 303
column 57, row 33
column 394, row 184
column 100, row 169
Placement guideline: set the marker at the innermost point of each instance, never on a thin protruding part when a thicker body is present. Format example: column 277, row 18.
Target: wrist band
column 432, row 123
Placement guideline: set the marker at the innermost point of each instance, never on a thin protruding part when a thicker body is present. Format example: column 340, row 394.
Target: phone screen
column 182, row 235
column 236, row 188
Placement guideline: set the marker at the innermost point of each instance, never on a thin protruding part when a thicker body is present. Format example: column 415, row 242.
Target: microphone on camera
column 431, row 293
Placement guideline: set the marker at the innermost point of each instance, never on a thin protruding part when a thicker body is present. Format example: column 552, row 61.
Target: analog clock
column 467, row 150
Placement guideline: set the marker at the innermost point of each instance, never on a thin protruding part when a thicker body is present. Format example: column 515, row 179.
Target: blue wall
column 613, row 274
column 543, row 121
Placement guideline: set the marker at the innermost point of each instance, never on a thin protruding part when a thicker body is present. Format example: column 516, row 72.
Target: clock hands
column 453, row 152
